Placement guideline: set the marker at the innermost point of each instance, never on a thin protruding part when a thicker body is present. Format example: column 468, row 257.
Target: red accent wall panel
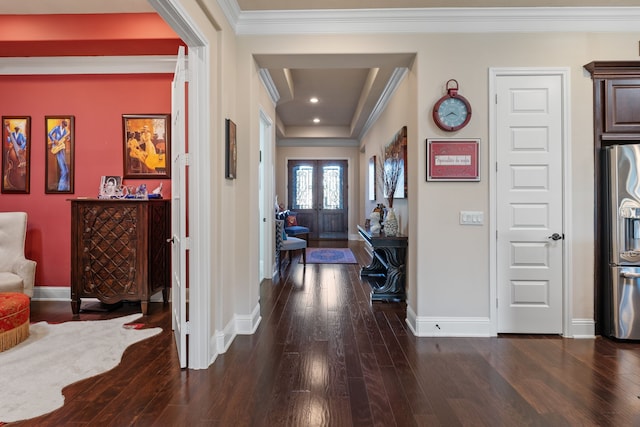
column 98, row 103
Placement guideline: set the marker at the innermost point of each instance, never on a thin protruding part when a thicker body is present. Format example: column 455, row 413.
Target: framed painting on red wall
column 59, row 154
column 146, row 145
column 16, row 154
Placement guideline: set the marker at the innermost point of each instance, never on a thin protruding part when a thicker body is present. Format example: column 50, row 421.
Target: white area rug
column 33, row 374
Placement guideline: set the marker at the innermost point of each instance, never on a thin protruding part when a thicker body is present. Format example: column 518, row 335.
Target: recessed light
column 313, row 100
column 316, row 120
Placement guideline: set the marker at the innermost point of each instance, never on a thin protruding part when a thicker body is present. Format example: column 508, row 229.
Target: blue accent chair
column 293, row 230
column 288, row 244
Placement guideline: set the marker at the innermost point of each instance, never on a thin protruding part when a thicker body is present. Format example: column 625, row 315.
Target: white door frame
column 199, row 200
column 567, row 303
column 267, row 188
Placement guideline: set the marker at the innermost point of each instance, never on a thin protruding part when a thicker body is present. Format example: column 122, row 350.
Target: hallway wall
column 443, row 290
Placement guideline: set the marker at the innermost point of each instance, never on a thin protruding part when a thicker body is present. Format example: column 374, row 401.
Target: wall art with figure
column 16, row 154
column 147, row 145
column 59, row 154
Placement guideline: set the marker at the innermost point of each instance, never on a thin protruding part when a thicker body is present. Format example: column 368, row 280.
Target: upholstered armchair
column 291, row 226
column 17, row 274
column 286, row 243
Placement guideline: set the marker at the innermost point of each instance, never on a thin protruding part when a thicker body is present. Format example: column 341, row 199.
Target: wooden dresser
column 119, row 250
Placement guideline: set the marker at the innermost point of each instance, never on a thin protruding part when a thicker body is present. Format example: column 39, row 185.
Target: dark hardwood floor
column 323, row 355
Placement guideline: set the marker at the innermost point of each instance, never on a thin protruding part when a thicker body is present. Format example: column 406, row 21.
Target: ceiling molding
column 432, row 20
column 269, row 85
column 395, row 80
column 52, row 65
column 317, row 142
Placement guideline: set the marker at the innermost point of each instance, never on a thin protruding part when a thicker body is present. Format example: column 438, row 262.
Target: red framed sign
column 453, row 159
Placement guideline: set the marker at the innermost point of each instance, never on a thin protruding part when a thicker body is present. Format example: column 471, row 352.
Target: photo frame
column 59, row 154
column 146, row 150
column 231, row 150
column 453, row 159
column 110, row 187
column 372, row 178
column 16, row 154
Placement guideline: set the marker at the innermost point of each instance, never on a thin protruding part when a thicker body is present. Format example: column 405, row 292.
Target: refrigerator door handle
column 629, row 275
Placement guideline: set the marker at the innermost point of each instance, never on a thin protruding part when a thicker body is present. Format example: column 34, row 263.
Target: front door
column 529, row 202
column 318, row 193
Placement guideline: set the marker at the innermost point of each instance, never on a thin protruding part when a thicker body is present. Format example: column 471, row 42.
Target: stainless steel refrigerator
column 622, row 290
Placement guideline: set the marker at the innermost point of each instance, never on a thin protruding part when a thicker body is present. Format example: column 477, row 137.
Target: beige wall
column 448, row 271
column 441, row 247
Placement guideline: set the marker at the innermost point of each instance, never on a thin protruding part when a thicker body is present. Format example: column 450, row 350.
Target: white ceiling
column 349, row 87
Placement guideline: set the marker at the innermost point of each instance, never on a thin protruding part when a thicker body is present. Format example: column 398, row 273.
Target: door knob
column 555, row 236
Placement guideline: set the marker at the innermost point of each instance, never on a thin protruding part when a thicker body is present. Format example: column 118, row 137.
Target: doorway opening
column 318, row 193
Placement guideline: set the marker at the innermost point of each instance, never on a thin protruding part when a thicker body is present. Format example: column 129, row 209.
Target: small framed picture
column 110, row 187
column 231, row 150
column 146, row 145
column 372, row 178
column 453, row 159
column 16, row 154
column 59, row 157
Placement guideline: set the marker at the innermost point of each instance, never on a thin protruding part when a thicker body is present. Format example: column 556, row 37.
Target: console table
column 388, row 262
column 119, row 250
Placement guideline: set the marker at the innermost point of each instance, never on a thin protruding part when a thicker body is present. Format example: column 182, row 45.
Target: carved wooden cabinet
column 119, row 250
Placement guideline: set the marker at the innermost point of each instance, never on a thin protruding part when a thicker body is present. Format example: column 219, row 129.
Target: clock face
column 452, row 113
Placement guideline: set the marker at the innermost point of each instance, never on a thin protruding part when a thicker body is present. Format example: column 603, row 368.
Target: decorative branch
column 390, row 169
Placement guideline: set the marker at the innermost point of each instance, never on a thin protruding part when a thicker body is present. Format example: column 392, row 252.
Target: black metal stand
column 388, row 262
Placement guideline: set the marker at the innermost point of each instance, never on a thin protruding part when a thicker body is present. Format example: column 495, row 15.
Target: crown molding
column 317, row 142
column 432, row 20
column 51, row 65
column 392, row 85
column 269, row 85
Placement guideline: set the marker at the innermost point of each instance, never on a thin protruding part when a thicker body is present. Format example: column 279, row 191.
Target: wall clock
column 452, row 112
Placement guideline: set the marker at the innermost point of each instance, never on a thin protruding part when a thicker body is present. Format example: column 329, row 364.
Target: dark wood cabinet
column 119, row 250
column 616, row 120
column 621, row 107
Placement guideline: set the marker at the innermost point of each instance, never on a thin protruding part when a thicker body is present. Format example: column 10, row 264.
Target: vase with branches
column 391, row 169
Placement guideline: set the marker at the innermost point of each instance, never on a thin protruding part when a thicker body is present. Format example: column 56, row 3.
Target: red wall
column 98, row 103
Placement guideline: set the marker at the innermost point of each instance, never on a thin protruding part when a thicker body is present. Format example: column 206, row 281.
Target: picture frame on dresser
column 146, row 145
column 16, row 154
column 59, row 154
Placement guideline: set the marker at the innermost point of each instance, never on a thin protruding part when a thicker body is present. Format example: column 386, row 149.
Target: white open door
column 179, row 210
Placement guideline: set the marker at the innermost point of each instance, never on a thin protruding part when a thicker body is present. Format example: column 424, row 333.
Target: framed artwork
column 372, row 178
column 59, row 154
column 394, row 165
column 231, row 150
column 146, row 145
column 16, row 154
column 453, row 159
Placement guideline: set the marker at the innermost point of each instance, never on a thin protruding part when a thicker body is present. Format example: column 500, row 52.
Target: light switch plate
column 471, row 217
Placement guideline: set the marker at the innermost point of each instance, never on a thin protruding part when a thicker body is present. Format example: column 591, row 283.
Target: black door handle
column 556, row 236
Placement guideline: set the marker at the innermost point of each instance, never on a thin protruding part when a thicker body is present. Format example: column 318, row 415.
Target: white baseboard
column 63, row 293
column 448, row 326
column 583, row 329
column 239, row 325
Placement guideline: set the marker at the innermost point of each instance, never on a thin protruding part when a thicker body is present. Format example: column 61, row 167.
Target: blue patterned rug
column 330, row 256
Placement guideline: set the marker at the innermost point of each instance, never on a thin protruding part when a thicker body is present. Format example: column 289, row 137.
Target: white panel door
column 179, row 210
column 529, row 153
